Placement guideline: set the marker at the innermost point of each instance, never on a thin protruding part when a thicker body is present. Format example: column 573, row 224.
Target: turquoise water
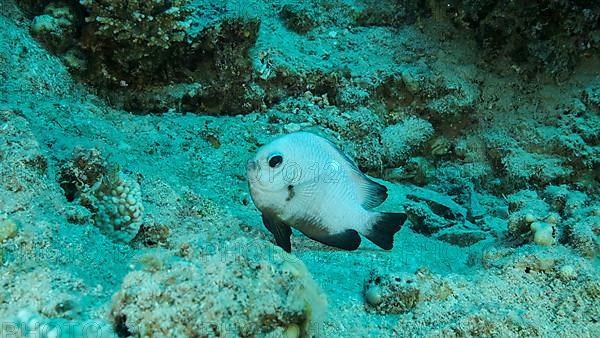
column 125, row 134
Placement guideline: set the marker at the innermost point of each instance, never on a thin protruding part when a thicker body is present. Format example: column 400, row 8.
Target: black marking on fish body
column 291, row 193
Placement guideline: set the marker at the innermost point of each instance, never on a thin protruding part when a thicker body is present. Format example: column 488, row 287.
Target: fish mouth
column 252, row 172
column 251, row 165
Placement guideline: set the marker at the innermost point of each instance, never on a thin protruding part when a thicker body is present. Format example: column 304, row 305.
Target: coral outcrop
column 235, row 292
column 551, row 36
column 154, row 56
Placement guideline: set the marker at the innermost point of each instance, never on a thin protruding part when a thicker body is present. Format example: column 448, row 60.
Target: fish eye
column 275, row 160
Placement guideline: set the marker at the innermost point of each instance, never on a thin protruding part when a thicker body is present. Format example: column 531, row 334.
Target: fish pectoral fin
column 280, row 230
column 347, row 240
column 303, row 195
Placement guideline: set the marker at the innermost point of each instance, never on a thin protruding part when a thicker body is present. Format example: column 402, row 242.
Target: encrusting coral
column 28, row 324
column 559, row 215
column 117, row 203
column 530, row 215
column 113, row 198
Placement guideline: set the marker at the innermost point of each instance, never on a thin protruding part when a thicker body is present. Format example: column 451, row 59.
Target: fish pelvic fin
column 280, row 230
column 383, row 230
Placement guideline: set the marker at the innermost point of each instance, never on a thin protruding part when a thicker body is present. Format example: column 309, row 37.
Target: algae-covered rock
column 591, row 95
column 387, row 13
column 298, row 18
column 417, row 170
column 423, row 220
column 456, row 96
column 33, row 7
column 151, row 235
column 402, row 139
column 437, row 215
column 8, row 229
column 135, row 51
column 547, row 36
column 81, row 172
column 558, row 288
column 360, row 128
column 391, row 294
column 540, row 169
column 462, row 237
column 57, row 26
column 583, row 232
column 132, row 40
column 247, row 288
column 397, row 293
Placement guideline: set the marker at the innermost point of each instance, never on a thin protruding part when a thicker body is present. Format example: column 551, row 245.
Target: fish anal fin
column 346, row 240
column 280, row 230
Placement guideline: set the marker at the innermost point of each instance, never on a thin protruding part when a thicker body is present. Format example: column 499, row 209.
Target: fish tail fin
column 383, row 229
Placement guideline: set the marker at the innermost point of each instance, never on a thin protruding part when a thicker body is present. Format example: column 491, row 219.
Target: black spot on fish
column 290, row 193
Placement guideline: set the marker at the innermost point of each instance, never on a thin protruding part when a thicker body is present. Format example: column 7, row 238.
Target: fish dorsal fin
column 370, row 193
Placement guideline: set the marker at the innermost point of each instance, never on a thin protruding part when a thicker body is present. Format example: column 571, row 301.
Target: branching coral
column 131, row 40
column 156, row 23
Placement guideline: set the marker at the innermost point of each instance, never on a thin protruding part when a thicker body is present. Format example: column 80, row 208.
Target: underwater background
column 125, row 127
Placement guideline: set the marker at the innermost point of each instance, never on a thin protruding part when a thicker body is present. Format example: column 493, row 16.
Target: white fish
column 302, row 180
